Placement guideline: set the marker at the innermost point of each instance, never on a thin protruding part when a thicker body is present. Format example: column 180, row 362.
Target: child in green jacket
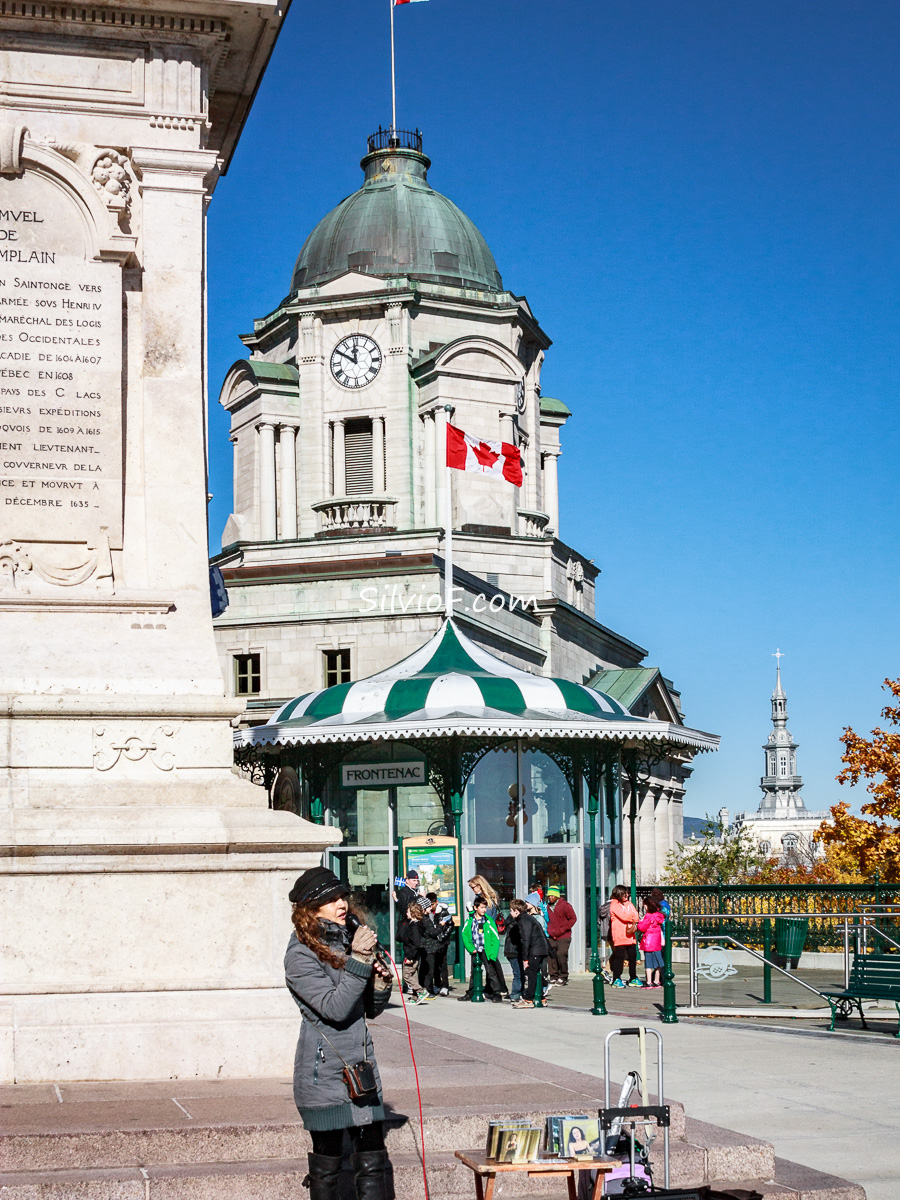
column 482, row 940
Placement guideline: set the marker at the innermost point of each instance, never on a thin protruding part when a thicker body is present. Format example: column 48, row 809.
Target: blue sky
column 700, row 201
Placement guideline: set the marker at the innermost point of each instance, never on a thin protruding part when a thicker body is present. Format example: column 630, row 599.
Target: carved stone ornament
column 575, row 571
column 109, row 749
column 14, row 563
column 108, row 169
column 12, row 139
column 111, row 178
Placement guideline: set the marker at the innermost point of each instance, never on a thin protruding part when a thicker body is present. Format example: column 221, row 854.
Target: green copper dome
column 397, row 224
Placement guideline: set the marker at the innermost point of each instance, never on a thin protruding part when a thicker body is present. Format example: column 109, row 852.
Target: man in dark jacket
column 437, row 926
column 407, row 894
column 531, row 943
column 559, row 930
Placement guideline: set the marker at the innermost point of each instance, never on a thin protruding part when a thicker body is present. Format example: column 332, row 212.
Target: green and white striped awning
column 452, row 686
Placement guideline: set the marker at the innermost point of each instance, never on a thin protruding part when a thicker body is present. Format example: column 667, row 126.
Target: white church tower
column 782, row 826
column 781, row 785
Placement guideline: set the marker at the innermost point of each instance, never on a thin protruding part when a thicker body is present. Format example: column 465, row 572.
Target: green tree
column 723, row 854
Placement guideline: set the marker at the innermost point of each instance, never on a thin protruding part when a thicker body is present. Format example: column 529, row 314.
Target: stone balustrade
column 356, row 514
column 534, row 524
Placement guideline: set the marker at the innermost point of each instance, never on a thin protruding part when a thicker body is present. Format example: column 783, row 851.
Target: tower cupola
column 397, row 225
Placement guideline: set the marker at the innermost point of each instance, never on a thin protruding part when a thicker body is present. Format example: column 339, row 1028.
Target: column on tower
column 551, row 488
column 267, row 498
column 287, row 437
column 378, row 482
column 429, row 480
column 339, row 475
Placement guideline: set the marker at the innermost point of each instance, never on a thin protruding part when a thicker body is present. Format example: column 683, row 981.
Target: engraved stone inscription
column 60, row 373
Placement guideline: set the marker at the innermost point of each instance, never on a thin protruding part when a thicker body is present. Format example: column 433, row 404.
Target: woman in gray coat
column 332, row 973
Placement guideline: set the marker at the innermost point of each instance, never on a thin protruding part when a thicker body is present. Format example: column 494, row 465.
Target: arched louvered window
column 358, row 456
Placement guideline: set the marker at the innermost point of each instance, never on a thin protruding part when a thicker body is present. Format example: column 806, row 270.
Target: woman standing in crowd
column 481, row 887
column 332, row 972
column 623, row 919
column 532, row 946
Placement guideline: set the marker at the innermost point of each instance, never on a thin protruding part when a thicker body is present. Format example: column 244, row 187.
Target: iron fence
column 720, row 900
column 395, row 139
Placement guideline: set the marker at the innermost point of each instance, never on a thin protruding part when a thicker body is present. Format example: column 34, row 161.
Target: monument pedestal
column 143, row 886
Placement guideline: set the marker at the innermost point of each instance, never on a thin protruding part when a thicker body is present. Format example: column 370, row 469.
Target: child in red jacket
column 651, row 926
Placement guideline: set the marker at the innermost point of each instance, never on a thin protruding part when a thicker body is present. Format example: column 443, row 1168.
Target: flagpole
column 393, row 74
column 448, row 524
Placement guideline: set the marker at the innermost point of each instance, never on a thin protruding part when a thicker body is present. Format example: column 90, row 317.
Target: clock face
column 520, row 396
column 355, row 361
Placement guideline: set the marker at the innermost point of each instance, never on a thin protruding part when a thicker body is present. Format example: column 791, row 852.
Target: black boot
column 370, row 1175
column 324, row 1175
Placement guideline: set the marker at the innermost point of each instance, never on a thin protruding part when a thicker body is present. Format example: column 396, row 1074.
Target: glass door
column 516, row 871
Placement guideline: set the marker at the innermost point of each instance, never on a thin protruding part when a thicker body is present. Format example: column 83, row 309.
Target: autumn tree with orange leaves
column 871, row 845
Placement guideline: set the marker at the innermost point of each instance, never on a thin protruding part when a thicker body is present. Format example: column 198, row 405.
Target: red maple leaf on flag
column 485, row 455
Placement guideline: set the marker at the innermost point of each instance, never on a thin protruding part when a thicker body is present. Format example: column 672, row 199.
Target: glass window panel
column 549, row 805
column 361, row 814
column 500, row 872
column 367, row 876
column 490, row 800
column 419, row 811
column 549, row 870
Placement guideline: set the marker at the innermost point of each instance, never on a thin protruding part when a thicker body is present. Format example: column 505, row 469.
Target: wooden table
column 487, row 1170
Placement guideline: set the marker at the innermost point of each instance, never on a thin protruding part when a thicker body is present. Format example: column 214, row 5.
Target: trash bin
column 790, row 936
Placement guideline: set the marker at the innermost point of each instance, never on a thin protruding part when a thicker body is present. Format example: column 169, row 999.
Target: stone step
column 96, row 1144
column 281, row 1179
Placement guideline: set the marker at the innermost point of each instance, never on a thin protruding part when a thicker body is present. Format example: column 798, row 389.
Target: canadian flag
column 467, row 453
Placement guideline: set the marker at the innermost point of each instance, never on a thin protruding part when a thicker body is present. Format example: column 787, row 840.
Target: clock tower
column 396, row 321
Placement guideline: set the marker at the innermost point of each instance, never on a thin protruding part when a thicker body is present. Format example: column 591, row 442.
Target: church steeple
column 780, row 784
column 779, row 699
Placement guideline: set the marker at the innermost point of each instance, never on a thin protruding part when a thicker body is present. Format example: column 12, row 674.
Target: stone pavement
column 242, row 1140
column 829, row 1101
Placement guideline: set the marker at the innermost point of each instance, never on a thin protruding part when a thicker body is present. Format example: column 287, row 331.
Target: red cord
column 415, row 1072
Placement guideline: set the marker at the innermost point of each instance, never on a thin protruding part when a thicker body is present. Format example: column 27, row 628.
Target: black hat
column 317, row 886
column 411, row 874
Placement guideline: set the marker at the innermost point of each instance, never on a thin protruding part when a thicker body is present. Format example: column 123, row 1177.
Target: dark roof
column 551, row 405
column 397, row 224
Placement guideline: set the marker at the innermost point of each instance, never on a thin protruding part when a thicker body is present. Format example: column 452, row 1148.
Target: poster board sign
column 436, row 858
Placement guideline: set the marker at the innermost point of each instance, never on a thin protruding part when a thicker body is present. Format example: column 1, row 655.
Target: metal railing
column 820, row 903
column 395, row 139
column 852, row 928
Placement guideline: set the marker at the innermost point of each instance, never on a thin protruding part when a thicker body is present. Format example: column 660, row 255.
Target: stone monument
column 143, row 900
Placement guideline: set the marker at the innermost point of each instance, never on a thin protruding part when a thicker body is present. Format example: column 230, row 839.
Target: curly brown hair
column 308, row 927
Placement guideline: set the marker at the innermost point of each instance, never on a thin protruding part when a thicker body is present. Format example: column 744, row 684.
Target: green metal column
column 631, row 767
column 316, row 810
column 767, row 966
column 456, row 810
column 669, row 1012
column 592, row 806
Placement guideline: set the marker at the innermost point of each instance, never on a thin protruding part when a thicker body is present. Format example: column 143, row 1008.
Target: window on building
column 764, row 847
column 337, row 667
column 358, row 457
column 789, row 842
column 783, row 765
column 247, row 675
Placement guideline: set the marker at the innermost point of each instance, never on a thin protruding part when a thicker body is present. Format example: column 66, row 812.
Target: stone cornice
column 128, row 20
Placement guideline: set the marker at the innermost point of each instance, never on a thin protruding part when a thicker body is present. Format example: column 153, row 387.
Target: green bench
column 872, row 977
